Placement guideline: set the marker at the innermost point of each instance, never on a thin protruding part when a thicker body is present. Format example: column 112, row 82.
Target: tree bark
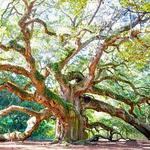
column 120, row 113
column 75, row 123
column 74, row 130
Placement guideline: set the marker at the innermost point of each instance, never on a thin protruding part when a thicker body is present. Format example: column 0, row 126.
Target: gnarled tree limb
column 32, row 124
column 37, row 20
column 14, row 69
column 23, row 95
column 117, row 112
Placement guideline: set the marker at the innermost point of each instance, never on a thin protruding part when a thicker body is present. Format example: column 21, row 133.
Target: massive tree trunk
column 75, row 124
column 75, row 129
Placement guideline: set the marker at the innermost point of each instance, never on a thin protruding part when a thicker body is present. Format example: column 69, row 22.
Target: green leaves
column 39, row 76
column 137, row 5
column 54, row 67
column 76, row 6
column 136, row 51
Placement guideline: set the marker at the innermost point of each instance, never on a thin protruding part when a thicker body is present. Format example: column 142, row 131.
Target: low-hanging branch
column 121, row 98
column 22, row 94
column 117, row 112
column 113, row 95
column 32, row 124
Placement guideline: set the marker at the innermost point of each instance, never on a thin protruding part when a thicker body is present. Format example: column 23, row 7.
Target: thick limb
column 23, row 95
column 32, row 124
column 117, row 112
column 118, row 97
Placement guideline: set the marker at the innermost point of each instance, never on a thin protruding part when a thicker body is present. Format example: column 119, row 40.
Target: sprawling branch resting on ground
column 99, row 124
column 117, row 112
column 110, row 130
column 32, row 124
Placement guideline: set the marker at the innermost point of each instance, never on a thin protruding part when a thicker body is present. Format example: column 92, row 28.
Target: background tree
column 74, row 56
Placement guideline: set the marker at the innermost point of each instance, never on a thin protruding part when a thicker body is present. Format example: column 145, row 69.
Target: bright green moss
column 58, row 99
column 54, row 66
column 39, row 76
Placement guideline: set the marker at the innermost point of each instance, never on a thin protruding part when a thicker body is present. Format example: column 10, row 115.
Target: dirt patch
column 102, row 145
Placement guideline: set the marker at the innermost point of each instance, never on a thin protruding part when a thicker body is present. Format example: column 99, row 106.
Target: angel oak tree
column 28, row 33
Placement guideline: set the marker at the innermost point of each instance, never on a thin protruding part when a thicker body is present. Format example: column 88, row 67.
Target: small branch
column 145, row 12
column 72, row 54
column 37, row 20
column 144, row 100
column 18, row 48
column 97, row 9
column 27, row 86
column 113, row 78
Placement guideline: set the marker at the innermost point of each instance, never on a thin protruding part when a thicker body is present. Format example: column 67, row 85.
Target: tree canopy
column 67, row 59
